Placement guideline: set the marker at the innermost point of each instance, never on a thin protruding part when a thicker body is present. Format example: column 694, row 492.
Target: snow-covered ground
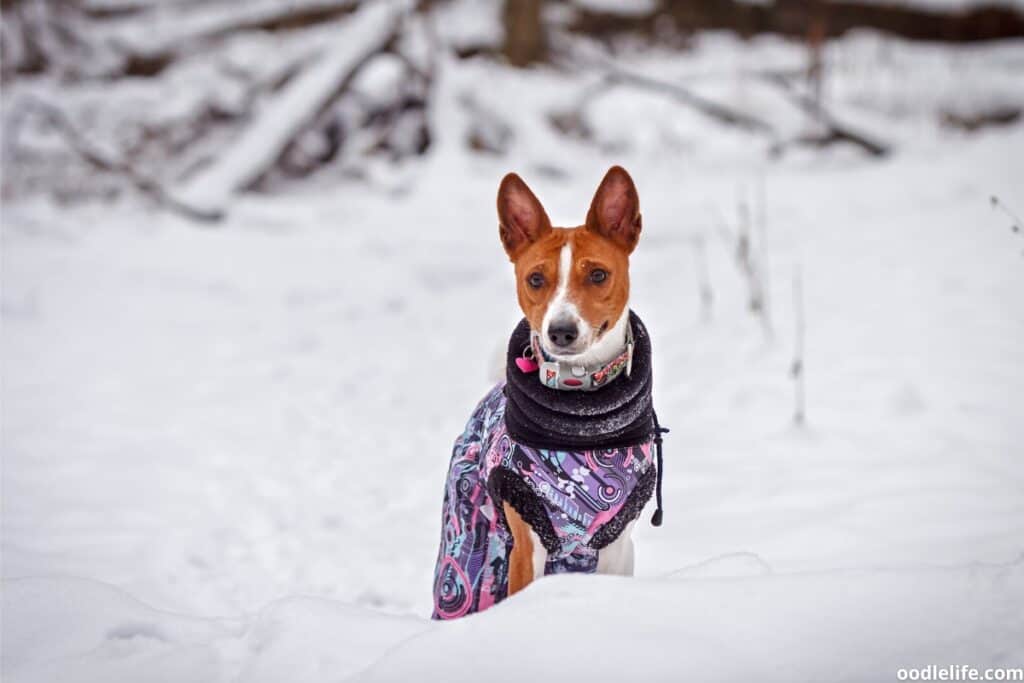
column 224, row 448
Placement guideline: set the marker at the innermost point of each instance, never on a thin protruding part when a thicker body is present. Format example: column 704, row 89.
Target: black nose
column 562, row 333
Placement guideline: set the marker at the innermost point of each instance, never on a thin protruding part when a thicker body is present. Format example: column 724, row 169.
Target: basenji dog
column 573, row 288
column 556, row 462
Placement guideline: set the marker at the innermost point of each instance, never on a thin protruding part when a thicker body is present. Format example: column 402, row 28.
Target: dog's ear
column 615, row 211
column 521, row 218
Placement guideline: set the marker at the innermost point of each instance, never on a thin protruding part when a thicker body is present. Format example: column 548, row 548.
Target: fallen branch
column 299, row 104
column 158, row 52
column 834, row 130
column 103, row 10
column 709, row 108
column 614, row 76
column 998, row 116
column 104, row 162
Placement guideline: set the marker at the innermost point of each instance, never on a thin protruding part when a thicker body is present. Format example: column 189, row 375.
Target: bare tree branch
column 101, row 160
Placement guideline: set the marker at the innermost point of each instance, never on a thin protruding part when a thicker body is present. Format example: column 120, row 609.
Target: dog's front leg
column 617, row 556
column 528, row 557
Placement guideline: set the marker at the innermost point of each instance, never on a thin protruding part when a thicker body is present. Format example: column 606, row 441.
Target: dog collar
column 573, row 377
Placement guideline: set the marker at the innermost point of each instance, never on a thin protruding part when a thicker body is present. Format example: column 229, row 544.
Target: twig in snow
column 750, row 265
column 1015, row 225
column 722, row 226
column 103, row 161
column 747, row 262
column 797, row 369
column 700, row 259
column 744, row 257
column 763, row 260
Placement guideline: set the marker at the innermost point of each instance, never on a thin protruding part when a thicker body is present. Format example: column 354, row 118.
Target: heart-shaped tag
column 526, row 364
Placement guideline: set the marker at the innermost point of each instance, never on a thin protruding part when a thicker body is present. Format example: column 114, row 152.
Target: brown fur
column 520, row 560
column 604, row 241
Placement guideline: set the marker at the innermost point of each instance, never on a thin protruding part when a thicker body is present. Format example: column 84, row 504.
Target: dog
column 556, row 462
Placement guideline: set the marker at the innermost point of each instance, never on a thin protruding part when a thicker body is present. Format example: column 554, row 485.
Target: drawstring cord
column 658, row 431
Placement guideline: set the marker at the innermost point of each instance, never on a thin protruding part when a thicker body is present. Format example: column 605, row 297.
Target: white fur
column 585, row 350
column 560, row 305
column 608, row 346
column 617, row 556
column 540, row 556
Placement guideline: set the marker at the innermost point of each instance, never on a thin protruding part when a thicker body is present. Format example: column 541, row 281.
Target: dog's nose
column 562, row 333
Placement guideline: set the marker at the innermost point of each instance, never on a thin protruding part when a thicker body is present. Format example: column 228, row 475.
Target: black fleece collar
column 616, row 415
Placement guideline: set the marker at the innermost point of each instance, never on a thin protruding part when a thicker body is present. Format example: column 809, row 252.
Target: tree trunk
column 525, row 41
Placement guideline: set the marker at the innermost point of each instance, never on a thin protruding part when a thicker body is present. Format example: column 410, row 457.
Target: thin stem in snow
column 1015, row 226
column 797, row 369
column 763, row 270
column 749, row 263
column 1016, row 223
column 700, row 261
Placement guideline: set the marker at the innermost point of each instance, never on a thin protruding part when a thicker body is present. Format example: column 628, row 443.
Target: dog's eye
column 536, row 280
column 597, row 276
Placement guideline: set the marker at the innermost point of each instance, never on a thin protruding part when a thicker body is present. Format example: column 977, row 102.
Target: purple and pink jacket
column 573, row 500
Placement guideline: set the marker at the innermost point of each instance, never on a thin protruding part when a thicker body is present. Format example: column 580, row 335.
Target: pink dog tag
column 526, row 364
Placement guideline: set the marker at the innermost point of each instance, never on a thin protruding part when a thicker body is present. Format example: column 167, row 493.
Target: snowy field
column 224, row 448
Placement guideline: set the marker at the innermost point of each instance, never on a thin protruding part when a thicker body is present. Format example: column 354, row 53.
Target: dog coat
column 577, row 502
column 576, row 466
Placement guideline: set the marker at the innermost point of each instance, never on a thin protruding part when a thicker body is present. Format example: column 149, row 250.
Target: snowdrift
column 843, row 625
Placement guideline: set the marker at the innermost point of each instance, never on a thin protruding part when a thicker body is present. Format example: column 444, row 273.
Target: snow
column 224, row 449
column 835, row 625
column 462, row 23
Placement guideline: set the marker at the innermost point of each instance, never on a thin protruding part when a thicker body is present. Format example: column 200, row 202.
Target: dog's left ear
column 615, row 211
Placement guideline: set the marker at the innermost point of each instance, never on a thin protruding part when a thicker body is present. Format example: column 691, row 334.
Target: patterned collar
column 557, row 374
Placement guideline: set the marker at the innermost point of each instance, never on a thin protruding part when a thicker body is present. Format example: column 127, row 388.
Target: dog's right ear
column 521, row 218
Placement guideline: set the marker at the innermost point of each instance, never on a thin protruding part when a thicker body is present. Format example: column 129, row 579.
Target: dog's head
column 573, row 283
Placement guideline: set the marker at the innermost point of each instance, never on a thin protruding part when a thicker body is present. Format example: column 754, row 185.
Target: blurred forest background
column 168, row 97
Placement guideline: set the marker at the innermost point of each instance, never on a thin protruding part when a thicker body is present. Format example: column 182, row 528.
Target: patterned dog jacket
column 577, row 502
